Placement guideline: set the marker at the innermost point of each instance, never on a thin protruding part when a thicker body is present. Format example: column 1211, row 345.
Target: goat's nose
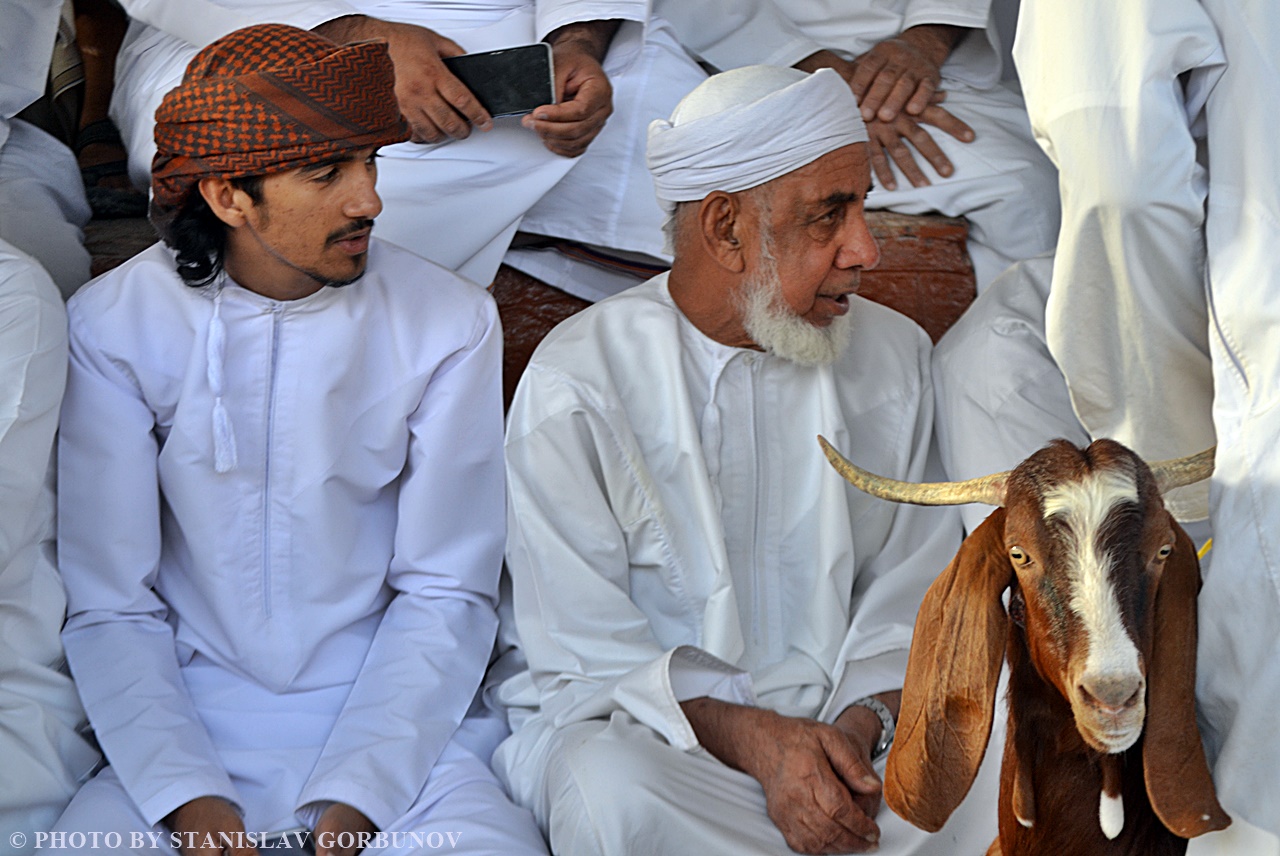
column 1112, row 692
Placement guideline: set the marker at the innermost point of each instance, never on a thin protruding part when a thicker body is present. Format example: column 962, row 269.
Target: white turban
column 747, row 126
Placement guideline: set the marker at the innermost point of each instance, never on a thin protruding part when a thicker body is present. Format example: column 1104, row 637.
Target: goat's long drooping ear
column 1177, row 774
column 949, row 695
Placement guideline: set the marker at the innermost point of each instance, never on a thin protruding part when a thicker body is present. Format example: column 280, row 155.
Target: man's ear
column 228, row 202
column 720, row 223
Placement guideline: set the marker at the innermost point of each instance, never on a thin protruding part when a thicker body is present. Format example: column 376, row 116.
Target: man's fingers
column 562, row 113
column 927, row 146
column 887, row 144
column 865, row 71
column 456, row 94
column 942, row 119
column 869, row 804
column 922, row 97
column 439, row 114
column 880, row 165
column 569, row 127
column 446, row 46
column 839, row 805
column 852, row 766
column 896, row 100
column 878, row 92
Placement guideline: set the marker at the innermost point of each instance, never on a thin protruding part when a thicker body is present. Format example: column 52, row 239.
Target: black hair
column 199, row 238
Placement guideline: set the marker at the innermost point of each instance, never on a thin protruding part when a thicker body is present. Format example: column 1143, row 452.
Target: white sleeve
column 889, row 587
column 434, row 641
column 957, row 13
column 201, row 22
column 119, row 645
column 731, row 35
column 33, row 372
column 550, row 15
column 590, row 649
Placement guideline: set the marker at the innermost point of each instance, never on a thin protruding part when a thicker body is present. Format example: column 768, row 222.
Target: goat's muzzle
column 1110, row 710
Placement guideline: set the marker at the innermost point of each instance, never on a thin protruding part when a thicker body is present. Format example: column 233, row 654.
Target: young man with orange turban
column 281, row 504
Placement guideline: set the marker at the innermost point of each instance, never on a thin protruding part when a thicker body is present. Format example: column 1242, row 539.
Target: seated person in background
column 44, row 758
column 1000, row 395
column 974, row 155
column 42, row 202
column 455, row 201
column 42, row 208
column 298, row 429
column 716, row 625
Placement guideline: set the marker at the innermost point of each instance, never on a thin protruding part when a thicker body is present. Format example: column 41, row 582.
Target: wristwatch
column 887, row 725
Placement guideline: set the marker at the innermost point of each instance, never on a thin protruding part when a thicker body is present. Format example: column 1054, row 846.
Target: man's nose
column 364, row 202
column 858, row 247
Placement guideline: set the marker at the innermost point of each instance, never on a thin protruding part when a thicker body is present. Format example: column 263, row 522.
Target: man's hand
column 337, row 819
column 583, row 90
column 889, row 142
column 863, row 728
column 820, row 790
column 902, row 73
column 205, row 819
column 889, row 139
column 435, row 103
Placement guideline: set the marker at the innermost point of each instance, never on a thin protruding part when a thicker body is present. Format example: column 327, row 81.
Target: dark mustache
column 350, row 229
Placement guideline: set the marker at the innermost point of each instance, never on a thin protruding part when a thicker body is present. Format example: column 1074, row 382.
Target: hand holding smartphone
column 509, row 81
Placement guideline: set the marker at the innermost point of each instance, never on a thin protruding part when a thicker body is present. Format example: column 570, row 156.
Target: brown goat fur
column 1057, row 760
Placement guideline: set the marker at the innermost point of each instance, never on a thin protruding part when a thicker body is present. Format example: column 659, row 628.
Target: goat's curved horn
column 987, row 489
column 1180, row 472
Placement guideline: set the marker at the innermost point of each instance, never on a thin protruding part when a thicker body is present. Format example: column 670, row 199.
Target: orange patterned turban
column 269, row 98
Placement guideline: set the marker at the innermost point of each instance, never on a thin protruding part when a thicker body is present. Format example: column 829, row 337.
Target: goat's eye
column 1018, row 555
column 1165, row 551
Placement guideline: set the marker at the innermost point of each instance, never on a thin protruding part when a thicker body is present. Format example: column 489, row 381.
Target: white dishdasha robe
column 312, row 624
column 45, row 759
column 675, row 531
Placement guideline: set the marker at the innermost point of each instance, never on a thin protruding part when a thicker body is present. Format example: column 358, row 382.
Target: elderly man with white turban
column 716, row 626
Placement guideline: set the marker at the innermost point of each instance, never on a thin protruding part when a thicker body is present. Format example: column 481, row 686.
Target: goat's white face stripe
column 1083, row 506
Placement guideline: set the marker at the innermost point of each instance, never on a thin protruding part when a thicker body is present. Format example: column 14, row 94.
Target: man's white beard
column 773, row 325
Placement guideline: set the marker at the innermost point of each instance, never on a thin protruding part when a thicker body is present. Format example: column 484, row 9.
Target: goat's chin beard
column 773, row 326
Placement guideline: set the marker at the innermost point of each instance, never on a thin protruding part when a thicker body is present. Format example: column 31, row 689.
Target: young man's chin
column 337, row 279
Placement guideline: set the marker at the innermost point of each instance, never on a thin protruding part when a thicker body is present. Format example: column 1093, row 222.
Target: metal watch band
column 887, row 725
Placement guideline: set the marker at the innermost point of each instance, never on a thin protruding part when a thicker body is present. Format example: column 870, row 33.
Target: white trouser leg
column 1126, row 318
column 615, row 788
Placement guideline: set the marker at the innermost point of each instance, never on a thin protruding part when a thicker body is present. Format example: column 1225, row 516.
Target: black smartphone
column 510, row 81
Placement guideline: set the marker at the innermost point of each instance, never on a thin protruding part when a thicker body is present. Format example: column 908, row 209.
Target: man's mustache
column 350, row 229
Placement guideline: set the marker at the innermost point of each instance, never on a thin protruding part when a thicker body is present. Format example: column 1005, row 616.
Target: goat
column 1102, row 754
